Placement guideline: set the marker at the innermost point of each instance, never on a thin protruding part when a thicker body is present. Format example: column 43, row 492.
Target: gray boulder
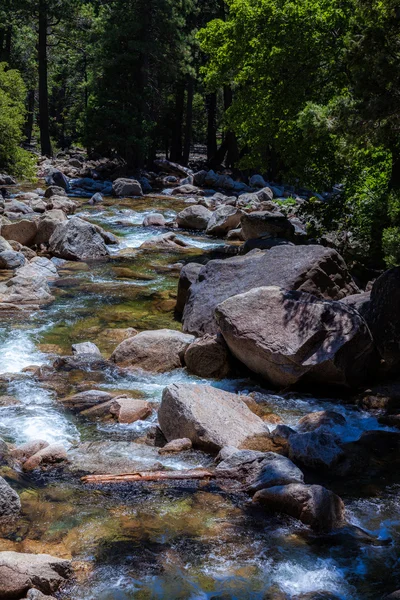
column 11, row 259
column 19, row 572
column 222, row 220
column 47, row 225
column 313, row 269
column 10, row 504
column 209, row 417
column 315, row 449
column 67, row 205
column 156, row 351
column 266, row 225
column 361, row 302
column 154, row 220
column 314, row 505
column 127, row 187
column 77, row 240
column 23, row 231
column 291, row 336
column 55, row 190
column 194, row 217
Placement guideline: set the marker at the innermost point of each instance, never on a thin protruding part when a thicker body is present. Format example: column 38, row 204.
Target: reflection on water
column 152, row 541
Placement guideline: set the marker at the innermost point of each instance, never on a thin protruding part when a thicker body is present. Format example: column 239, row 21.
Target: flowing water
column 157, row 541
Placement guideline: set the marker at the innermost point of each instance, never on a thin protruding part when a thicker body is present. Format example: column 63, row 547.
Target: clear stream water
column 153, row 541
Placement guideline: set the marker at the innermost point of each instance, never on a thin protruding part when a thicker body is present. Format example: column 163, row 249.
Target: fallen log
column 149, row 476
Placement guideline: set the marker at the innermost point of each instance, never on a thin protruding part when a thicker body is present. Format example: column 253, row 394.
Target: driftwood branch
column 149, row 476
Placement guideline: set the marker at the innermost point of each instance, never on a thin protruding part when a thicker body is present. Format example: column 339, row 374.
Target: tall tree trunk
column 211, row 105
column 176, row 144
column 395, row 176
column 45, row 142
column 5, row 43
column 189, row 120
column 30, row 104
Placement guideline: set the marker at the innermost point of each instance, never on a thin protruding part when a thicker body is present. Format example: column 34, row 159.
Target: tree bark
column 149, row 476
column 5, row 43
column 176, row 144
column 30, row 104
column 189, row 121
column 45, row 142
column 232, row 149
column 211, row 105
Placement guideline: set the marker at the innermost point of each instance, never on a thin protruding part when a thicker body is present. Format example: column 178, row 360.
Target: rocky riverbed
column 97, row 377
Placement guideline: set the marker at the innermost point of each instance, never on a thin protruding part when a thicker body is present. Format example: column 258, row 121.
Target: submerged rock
column 157, row 351
column 314, row 505
column 291, row 336
column 20, row 572
column 209, row 417
column 313, row 269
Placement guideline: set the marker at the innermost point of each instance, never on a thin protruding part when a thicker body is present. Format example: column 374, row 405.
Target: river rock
column 47, row 225
column 85, row 348
column 266, row 224
column 5, row 246
column 167, row 242
column 22, row 453
column 259, row 470
column 314, row 505
column 154, row 220
column 222, row 220
column 39, row 267
column 321, row 418
column 85, row 400
column 208, row 356
column 361, row 302
column 55, row 190
column 10, row 504
column 129, row 410
column 383, row 316
column 51, row 455
column 126, row 187
column 67, row 205
column 313, row 269
column 23, row 231
column 20, row 572
column 194, row 217
column 187, row 276
column 209, row 417
column 291, row 336
column 11, row 260
column 175, row 446
column 156, row 351
column 318, row 449
column 25, row 291
column 77, row 240
column 37, row 595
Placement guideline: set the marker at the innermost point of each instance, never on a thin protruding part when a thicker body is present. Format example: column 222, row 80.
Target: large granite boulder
column 47, row 225
column 291, row 336
column 10, row 504
column 127, row 187
column 266, row 225
column 209, row 417
column 77, row 240
column 314, row 505
column 9, row 259
column 383, row 316
column 156, row 351
column 194, row 217
column 313, row 269
column 19, row 572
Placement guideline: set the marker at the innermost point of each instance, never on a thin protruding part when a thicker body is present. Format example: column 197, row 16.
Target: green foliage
column 13, row 158
column 391, row 246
